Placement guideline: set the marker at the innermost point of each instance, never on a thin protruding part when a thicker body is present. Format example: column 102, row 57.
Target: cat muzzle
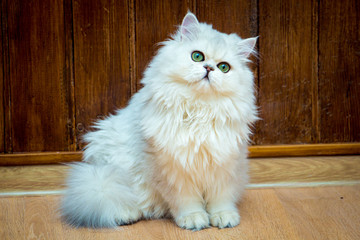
column 208, row 70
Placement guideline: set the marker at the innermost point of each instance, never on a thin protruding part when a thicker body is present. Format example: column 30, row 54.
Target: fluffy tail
column 98, row 196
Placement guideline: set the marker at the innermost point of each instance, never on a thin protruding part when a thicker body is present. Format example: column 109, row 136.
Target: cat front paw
column 127, row 217
column 225, row 219
column 193, row 221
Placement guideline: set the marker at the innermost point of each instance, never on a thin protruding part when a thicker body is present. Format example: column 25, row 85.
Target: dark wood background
column 65, row 63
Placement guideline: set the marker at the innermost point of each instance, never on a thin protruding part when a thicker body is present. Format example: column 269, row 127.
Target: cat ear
column 246, row 47
column 189, row 26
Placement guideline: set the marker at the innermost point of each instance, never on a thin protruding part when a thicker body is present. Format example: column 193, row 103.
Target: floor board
column 324, row 213
column 280, row 213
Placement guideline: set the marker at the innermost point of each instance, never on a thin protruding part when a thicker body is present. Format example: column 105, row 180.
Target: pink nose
column 208, row 68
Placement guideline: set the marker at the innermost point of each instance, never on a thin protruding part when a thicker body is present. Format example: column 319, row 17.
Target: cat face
column 209, row 63
column 204, row 60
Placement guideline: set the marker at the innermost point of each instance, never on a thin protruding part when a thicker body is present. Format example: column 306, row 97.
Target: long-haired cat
column 179, row 148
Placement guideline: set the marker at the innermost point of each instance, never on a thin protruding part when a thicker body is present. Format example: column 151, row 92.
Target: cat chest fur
column 193, row 134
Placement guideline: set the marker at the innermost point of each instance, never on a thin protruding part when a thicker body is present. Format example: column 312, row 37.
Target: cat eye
column 224, row 67
column 197, row 56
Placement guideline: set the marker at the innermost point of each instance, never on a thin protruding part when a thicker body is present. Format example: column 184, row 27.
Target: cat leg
column 182, row 197
column 226, row 191
column 222, row 208
column 189, row 212
column 186, row 205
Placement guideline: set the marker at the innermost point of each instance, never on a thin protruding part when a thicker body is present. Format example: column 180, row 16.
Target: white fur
column 179, row 148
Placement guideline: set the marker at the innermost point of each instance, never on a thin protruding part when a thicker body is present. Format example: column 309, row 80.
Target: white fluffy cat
column 179, row 148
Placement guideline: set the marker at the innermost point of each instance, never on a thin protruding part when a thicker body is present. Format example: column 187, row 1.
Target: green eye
column 197, row 56
column 224, row 67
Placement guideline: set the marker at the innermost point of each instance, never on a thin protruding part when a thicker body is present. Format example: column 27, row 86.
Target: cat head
column 204, row 61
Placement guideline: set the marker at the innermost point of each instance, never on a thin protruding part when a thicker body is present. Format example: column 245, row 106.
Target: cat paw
column 193, row 221
column 225, row 219
column 124, row 222
column 127, row 218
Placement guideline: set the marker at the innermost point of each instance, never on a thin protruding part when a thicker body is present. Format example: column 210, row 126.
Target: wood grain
column 315, row 109
column 32, row 178
column 339, row 66
column 277, row 227
column 66, row 63
column 155, row 21
column 69, row 74
column 13, row 210
column 38, row 89
column 237, row 16
column 2, row 87
column 132, row 41
column 263, row 172
column 285, row 72
column 308, row 213
column 5, row 59
column 101, row 58
column 304, row 170
column 39, row 219
column 323, row 213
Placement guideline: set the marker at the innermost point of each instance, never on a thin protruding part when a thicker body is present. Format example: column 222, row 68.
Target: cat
column 179, row 149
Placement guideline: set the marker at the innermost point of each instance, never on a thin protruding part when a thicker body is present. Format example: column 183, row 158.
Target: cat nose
column 208, row 68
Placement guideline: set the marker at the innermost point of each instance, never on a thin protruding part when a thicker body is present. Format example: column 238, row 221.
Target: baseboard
column 41, row 158
column 264, row 173
column 298, row 150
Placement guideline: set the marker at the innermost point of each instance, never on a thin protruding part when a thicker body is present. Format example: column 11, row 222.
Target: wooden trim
column 304, row 150
column 39, row 158
column 254, row 152
column 264, row 172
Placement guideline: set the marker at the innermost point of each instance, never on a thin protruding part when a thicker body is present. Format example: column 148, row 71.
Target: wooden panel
column 339, row 79
column 38, row 87
column 2, row 87
column 155, row 21
column 69, row 72
column 237, row 16
column 285, row 72
column 45, row 66
column 5, row 97
column 101, row 39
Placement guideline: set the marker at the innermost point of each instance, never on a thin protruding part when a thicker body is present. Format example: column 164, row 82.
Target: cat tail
column 98, row 196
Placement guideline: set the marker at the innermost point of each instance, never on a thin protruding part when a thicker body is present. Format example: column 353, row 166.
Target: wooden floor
column 278, row 213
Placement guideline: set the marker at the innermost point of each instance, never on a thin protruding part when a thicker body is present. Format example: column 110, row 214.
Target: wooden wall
column 65, row 63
